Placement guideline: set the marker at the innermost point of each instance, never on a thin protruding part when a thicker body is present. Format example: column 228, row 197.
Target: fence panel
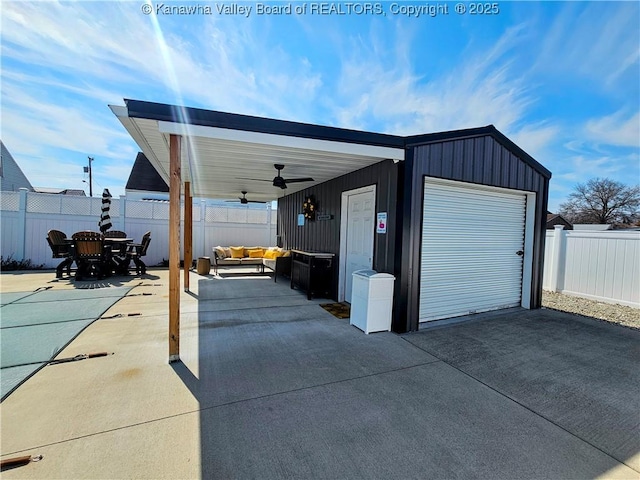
column 37, row 225
column 10, row 234
column 27, row 217
column 601, row 266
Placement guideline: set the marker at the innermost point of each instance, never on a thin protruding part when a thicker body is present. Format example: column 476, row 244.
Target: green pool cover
column 35, row 326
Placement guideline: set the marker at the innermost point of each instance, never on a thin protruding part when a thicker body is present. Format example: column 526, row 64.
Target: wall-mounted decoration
column 381, row 223
column 309, row 208
column 324, row 216
column 301, row 219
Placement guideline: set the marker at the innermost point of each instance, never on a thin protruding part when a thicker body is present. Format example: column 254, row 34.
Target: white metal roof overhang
column 222, row 162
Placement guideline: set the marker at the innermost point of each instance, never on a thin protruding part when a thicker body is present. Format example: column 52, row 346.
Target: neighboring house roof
column 144, row 177
column 554, row 219
column 60, row 191
column 11, row 176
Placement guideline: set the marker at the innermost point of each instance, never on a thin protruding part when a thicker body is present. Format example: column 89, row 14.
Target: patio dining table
column 118, row 259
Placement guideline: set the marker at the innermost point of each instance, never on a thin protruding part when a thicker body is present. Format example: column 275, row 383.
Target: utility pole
column 88, row 170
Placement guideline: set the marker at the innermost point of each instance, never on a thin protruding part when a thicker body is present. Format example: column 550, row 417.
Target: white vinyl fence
column 26, row 217
column 602, row 266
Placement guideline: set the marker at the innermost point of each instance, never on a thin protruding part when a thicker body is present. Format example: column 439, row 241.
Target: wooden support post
column 174, row 247
column 188, row 233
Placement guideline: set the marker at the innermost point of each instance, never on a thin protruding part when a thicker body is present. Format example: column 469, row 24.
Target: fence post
column 22, row 225
column 557, row 262
column 123, row 213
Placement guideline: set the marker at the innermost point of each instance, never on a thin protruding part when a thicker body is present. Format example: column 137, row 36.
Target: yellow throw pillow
column 269, row 254
column 237, row 252
column 287, row 253
column 256, row 253
column 277, row 254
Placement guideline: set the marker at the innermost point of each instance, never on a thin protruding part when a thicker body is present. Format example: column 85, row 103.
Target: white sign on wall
column 381, row 223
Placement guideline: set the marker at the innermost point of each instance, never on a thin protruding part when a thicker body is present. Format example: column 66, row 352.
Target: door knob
column 520, row 253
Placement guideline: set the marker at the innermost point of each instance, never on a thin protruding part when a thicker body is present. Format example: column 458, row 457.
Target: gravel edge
column 609, row 312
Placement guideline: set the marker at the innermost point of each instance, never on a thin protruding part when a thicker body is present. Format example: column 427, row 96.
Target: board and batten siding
column 477, row 160
column 324, row 235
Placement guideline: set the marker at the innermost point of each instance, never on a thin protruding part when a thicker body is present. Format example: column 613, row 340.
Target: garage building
column 458, row 217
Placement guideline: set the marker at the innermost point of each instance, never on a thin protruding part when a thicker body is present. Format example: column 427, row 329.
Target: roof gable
column 11, row 175
column 145, row 177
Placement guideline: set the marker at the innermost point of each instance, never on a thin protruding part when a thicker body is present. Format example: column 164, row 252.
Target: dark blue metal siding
column 324, row 235
column 399, row 191
column 480, row 160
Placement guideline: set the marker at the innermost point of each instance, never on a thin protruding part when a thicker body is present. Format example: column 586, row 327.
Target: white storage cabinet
column 372, row 301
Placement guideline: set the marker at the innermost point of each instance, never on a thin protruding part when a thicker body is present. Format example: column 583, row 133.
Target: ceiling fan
column 244, row 200
column 280, row 182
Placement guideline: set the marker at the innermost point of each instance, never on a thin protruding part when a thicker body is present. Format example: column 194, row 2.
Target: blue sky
column 561, row 79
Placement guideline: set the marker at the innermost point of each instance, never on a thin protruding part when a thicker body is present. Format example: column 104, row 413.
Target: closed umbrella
column 105, row 219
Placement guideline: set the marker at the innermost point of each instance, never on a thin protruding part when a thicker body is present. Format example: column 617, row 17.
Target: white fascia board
column 282, row 140
column 119, row 110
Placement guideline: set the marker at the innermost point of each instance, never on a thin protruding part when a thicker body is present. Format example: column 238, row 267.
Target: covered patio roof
column 224, row 154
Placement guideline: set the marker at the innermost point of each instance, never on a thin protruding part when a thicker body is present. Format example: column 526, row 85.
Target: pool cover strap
column 82, row 356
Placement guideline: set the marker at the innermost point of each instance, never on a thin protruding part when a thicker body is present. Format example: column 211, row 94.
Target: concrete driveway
column 272, row 386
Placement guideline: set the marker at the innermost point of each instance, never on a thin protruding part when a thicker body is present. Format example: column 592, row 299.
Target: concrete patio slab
column 251, row 352
column 429, row 421
column 285, row 391
column 579, row 373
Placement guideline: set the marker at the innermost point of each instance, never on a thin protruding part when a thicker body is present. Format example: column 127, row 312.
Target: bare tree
column 602, row 200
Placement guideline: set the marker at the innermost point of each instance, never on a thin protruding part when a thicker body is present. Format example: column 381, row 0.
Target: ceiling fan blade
column 296, row 180
column 255, row 201
column 253, row 179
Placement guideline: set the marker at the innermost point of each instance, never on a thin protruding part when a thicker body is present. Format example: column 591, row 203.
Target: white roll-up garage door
column 472, row 245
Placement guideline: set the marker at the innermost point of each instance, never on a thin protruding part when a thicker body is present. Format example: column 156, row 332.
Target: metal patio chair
column 61, row 249
column 138, row 250
column 115, row 234
column 117, row 249
column 91, row 255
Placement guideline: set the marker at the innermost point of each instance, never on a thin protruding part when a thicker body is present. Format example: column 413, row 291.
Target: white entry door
column 360, row 225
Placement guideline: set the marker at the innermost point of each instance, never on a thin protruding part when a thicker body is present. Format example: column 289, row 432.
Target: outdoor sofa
column 273, row 258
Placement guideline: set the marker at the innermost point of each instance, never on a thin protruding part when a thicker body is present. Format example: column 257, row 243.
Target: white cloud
column 230, row 67
column 536, row 139
column 28, row 115
column 618, row 128
column 376, row 87
column 597, row 40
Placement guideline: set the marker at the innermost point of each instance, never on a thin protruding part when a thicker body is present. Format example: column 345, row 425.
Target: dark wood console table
column 312, row 272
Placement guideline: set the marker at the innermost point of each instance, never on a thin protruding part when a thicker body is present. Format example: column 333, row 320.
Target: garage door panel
column 469, row 243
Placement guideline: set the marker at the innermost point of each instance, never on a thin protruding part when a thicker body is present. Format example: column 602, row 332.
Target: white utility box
column 371, row 301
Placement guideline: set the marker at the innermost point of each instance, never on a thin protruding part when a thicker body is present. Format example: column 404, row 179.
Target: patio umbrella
column 105, row 219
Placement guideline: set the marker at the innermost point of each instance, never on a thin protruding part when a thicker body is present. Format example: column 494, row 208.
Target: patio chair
column 138, row 250
column 115, row 234
column 61, row 249
column 119, row 249
column 91, row 255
